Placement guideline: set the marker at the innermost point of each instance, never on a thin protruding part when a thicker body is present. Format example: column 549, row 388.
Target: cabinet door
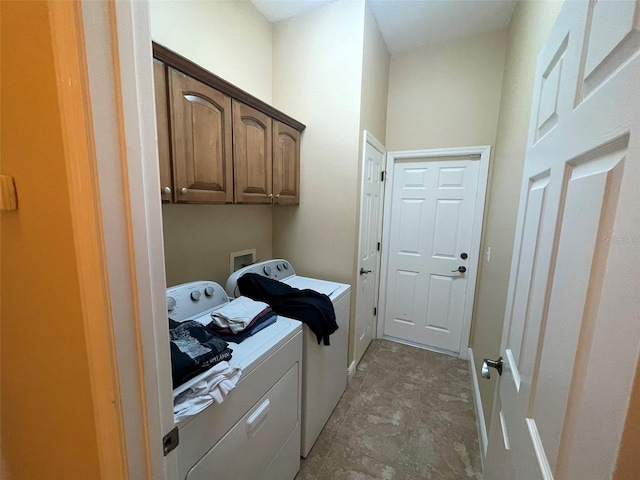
column 251, row 155
column 201, row 134
column 162, row 123
column 286, row 164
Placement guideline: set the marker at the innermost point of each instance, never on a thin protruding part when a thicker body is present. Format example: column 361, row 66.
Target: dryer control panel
column 276, row 269
column 194, row 299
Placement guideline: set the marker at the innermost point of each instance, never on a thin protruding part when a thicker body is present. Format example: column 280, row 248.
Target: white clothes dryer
column 324, row 368
column 255, row 432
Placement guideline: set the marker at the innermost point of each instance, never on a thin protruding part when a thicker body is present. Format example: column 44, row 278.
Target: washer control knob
column 285, row 265
column 171, row 303
column 195, row 296
column 267, row 270
column 279, row 267
column 208, row 291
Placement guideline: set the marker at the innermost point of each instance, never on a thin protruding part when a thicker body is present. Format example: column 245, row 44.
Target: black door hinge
column 378, row 246
column 383, row 175
column 375, row 311
column 170, row 441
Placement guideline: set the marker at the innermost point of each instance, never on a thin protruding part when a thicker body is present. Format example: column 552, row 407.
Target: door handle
column 497, row 364
column 460, row 269
column 363, row 271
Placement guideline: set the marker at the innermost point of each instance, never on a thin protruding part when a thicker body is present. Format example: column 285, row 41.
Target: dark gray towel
column 310, row 307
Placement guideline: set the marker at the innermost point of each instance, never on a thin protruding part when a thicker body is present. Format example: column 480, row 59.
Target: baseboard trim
column 424, row 347
column 351, row 370
column 482, row 427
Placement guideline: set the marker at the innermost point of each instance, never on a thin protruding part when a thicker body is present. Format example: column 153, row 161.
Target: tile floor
column 407, row 414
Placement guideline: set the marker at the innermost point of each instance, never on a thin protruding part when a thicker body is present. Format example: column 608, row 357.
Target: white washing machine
column 324, row 368
column 255, row 432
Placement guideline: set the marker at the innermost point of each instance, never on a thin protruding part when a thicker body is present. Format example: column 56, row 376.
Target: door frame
column 117, row 39
column 368, row 138
column 482, row 153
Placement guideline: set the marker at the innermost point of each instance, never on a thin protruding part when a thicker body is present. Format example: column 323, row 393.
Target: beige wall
column 529, row 27
column 317, row 79
column 375, row 80
column 47, row 412
column 446, row 95
column 229, row 38
column 199, row 238
column 234, row 41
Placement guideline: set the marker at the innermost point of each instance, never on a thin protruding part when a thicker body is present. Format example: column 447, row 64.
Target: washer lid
column 320, row 286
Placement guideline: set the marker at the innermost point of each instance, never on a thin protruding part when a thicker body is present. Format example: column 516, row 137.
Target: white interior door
column 572, row 329
column 434, row 210
column 369, row 244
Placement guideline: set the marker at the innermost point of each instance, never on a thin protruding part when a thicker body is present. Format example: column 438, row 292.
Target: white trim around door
column 369, row 241
column 118, row 40
column 480, row 153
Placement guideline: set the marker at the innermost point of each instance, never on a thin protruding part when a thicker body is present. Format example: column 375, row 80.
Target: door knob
column 363, row 271
column 497, row 364
column 460, row 269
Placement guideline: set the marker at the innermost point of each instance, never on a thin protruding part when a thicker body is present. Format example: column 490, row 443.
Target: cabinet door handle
column 166, row 190
column 184, row 190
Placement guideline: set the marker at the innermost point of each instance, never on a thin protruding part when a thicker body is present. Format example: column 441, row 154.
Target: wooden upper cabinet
column 219, row 144
column 202, row 143
column 286, row 164
column 252, row 154
column 162, row 119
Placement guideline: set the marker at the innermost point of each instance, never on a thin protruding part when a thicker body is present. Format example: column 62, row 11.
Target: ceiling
column 408, row 24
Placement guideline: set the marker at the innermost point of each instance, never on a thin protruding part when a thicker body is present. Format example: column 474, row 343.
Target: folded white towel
column 214, row 387
column 237, row 314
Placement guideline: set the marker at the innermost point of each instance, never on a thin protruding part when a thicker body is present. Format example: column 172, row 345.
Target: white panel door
column 572, row 329
column 369, row 245
column 432, row 217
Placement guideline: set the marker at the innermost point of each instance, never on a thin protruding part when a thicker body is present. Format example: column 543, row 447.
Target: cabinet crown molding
column 186, row 66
